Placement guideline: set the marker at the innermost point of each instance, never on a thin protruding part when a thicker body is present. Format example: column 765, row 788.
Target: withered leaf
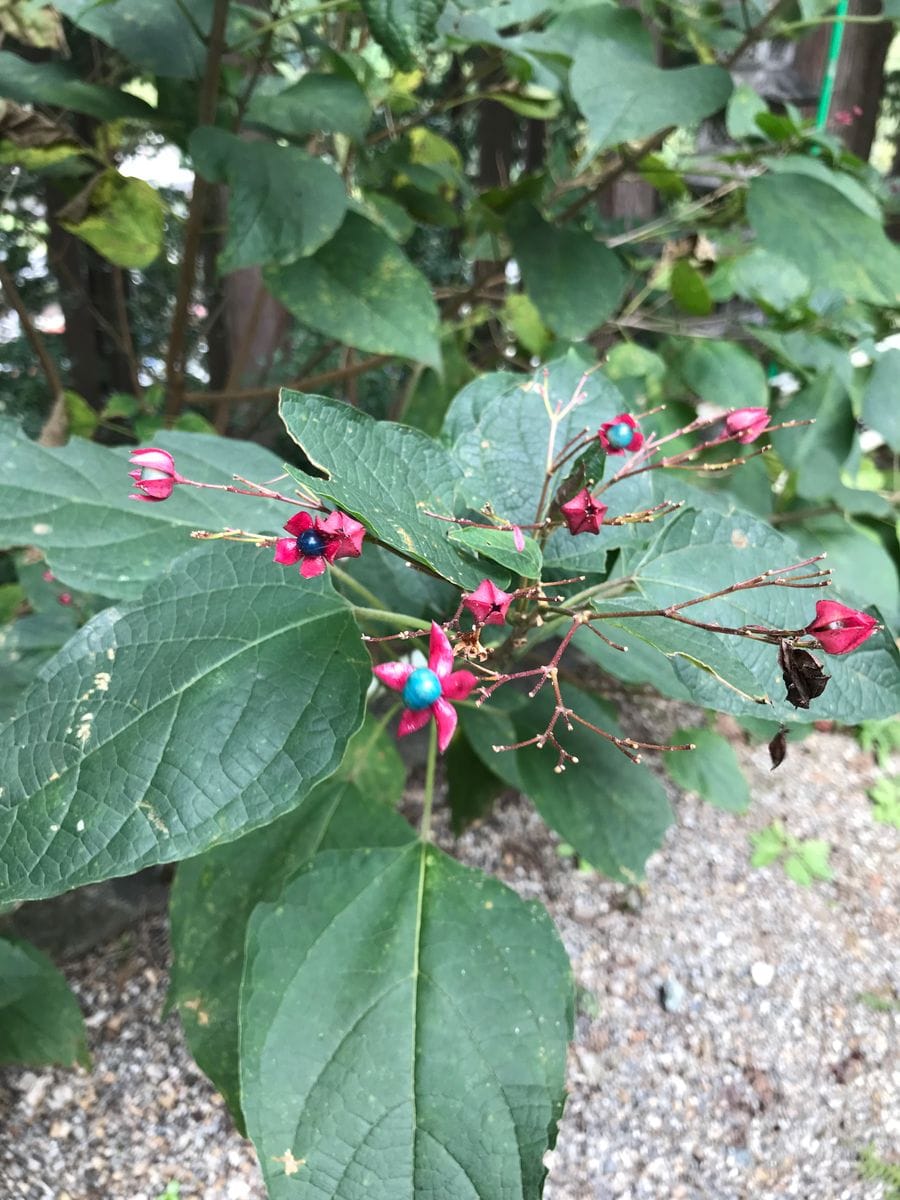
column 802, row 673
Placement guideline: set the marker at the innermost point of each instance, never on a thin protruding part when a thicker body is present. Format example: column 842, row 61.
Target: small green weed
column 872, row 1166
column 803, row 862
column 882, row 738
column 885, row 797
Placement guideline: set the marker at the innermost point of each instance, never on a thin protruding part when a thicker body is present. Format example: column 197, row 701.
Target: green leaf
column 59, row 85
column 73, row 504
column 362, row 290
column 209, row 708
column 613, row 811
column 162, row 37
column 471, row 787
column 499, row 428
column 769, row 279
column 402, row 27
column 24, row 646
column 315, row 104
column 283, row 203
column 384, row 474
column 881, row 406
column 849, row 186
column 40, row 1021
column 812, row 224
column 885, row 797
column 81, row 417
column 812, row 856
column 122, row 218
column 215, row 893
column 686, row 651
column 702, row 552
column 712, row 770
column 818, row 451
column 744, row 106
column 625, row 96
column 689, row 290
column 523, row 318
column 498, row 545
column 449, row 1008
column 722, row 373
column 575, row 281
column 768, row 845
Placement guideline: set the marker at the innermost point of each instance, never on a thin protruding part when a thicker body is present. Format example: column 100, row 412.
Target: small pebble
column 762, row 973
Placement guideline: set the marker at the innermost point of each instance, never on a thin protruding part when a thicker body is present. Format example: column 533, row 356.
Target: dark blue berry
column 311, row 544
column 421, row 689
column 620, row 436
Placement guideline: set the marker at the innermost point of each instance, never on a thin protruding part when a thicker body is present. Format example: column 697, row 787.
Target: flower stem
column 428, row 796
column 381, row 614
column 361, row 590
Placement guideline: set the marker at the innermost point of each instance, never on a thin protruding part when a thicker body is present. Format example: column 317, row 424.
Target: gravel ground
column 722, row 1049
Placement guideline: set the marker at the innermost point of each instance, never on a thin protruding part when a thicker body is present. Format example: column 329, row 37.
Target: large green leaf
column 724, row 374
column 315, row 104
column 881, row 401
column 499, row 428
column 283, row 203
column 164, row 37
column 361, row 289
column 712, row 770
column 624, row 95
column 73, row 504
column 40, row 1021
column 205, row 710
column 834, row 243
column 215, row 893
column 57, row 84
column 435, row 1066
column 817, row 452
column 25, row 644
column 613, row 811
column 702, row 552
column 402, row 27
column 121, row 218
column 385, row 474
column 574, row 280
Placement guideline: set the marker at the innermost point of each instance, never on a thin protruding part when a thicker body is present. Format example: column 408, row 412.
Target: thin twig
column 300, row 385
column 56, row 426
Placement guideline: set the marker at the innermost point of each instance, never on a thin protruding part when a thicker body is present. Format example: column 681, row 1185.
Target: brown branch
column 306, row 384
column 124, row 330
column 56, row 427
column 206, row 112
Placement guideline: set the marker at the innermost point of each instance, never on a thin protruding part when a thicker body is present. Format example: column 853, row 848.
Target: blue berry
column 311, row 544
column 421, row 689
column 620, row 436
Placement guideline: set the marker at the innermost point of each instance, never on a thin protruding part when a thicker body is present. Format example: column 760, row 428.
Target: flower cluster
column 318, row 538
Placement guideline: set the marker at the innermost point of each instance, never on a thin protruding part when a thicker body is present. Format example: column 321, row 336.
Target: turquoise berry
column 311, row 544
column 620, row 436
column 421, row 689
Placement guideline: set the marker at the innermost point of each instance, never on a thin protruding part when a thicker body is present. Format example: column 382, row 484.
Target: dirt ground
column 737, row 1034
